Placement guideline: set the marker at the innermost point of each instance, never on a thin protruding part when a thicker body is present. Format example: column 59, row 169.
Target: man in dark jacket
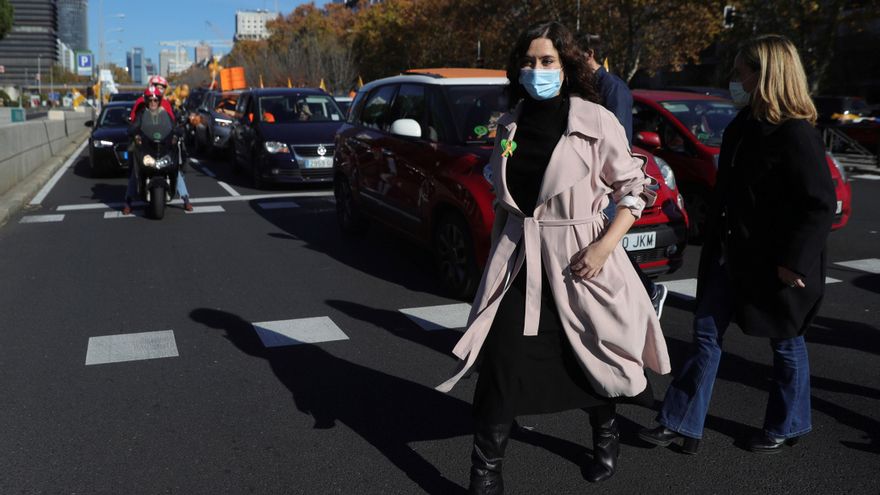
column 617, row 98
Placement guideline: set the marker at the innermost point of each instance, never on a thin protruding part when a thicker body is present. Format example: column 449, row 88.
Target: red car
column 413, row 156
column 685, row 129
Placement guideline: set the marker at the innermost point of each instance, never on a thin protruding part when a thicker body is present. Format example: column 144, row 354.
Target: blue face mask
column 541, row 84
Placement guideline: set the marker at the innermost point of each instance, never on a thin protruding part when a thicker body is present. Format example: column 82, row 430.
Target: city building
column 150, row 67
column 173, row 61
column 73, row 26
column 31, row 45
column 66, row 57
column 204, row 53
column 251, row 24
column 134, row 59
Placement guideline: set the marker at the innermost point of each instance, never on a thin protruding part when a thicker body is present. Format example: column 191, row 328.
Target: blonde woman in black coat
column 763, row 263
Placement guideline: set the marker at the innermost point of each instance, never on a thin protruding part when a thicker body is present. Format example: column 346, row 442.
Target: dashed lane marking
column 830, row 280
column 41, row 218
column 131, row 347
column 870, row 265
column 277, row 205
column 443, row 317
column 116, row 214
column 865, row 177
column 218, row 199
column 298, row 331
column 206, row 209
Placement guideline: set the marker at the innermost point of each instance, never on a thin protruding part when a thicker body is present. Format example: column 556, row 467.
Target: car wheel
column 454, row 254
column 697, row 209
column 350, row 220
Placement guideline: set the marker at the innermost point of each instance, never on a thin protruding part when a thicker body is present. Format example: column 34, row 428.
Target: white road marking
column 206, row 209
column 277, row 205
column 443, row 317
column 47, row 188
column 41, row 218
column 228, row 188
column 131, row 347
column 299, row 331
column 218, row 199
column 116, row 214
column 865, row 177
column 870, row 265
column 830, row 280
column 686, row 288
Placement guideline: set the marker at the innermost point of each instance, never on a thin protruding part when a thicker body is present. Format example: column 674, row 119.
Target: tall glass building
column 136, row 65
column 32, row 43
column 73, row 25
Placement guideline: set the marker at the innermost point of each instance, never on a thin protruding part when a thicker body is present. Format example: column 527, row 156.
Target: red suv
column 685, row 130
column 413, row 156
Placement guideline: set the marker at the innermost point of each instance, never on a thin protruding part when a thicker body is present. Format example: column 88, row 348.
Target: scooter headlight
column 149, row 161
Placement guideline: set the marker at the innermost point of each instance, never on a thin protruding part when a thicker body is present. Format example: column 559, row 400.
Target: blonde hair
column 781, row 93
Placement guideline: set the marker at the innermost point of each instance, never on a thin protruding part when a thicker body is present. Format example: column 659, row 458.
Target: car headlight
column 100, row 143
column 276, row 147
column 223, row 122
column 839, row 167
column 666, row 172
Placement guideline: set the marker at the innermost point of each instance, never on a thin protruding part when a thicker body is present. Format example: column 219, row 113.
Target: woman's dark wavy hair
column 579, row 78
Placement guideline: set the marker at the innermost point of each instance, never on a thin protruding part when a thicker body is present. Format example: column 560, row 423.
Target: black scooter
column 158, row 165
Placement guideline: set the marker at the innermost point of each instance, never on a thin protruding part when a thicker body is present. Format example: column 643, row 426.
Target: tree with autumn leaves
column 337, row 44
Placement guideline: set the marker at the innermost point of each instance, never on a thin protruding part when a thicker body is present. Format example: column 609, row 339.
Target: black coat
column 773, row 205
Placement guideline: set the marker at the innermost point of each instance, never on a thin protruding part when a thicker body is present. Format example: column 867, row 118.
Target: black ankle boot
column 606, row 448
column 486, row 458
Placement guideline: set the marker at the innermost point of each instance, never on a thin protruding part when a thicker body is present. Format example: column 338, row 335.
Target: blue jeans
column 687, row 399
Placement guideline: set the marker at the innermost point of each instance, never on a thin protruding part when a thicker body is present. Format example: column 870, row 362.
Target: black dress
column 536, row 374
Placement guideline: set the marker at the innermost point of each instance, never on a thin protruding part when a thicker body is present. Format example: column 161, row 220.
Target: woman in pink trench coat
column 605, row 319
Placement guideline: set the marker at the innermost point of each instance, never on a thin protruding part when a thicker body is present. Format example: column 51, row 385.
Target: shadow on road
column 843, row 333
column 388, row 412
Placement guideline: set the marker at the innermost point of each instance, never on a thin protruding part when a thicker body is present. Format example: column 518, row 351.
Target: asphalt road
column 221, row 408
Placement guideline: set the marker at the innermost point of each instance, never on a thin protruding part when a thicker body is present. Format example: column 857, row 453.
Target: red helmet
column 152, row 92
column 158, row 80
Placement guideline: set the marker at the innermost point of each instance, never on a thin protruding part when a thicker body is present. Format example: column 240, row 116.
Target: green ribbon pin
column 481, row 130
column 507, row 147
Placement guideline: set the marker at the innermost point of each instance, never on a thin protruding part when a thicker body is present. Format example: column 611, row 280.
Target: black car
column 125, row 96
column 285, row 135
column 214, row 122
column 108, row 144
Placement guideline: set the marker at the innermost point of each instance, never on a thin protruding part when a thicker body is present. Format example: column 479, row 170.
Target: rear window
column 286, row 109
column 705, row 119
column 475, row 111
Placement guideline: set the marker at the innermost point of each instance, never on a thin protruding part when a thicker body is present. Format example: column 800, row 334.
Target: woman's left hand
column 588, row 262
column 789, row 277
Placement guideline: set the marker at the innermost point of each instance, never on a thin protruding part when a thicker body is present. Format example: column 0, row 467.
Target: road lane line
column 131, row 347
column 298, row 331
column 116, row 214
column 442, row 317
column 865, row 177
column 218, row 199
column 686, row 288
column 870, row 265
column 47, row 188
column 206, row 209
column 228, row 188
column 41, row 218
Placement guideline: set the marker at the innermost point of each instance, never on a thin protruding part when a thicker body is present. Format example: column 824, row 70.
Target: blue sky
column 169, row 20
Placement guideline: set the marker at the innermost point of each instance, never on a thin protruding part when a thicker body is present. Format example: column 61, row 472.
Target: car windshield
column 226, row 105
column 115, row 117
column 475, row 111
column 705, row 119
column 286, row 109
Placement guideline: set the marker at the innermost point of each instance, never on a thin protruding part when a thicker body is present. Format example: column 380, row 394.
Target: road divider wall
column 27, row 146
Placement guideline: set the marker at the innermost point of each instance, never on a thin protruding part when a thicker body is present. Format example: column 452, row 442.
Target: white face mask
column 741, row 97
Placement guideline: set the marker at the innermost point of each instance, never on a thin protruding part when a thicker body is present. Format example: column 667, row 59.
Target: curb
column 17, row 197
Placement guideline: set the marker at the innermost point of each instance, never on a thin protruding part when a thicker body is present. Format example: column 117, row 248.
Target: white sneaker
column 659, row 298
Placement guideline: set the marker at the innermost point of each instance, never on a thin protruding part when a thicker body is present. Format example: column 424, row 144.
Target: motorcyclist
column 155, row 82
column 153, row 120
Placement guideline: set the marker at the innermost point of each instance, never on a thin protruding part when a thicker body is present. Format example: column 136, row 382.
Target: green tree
column 6, row 16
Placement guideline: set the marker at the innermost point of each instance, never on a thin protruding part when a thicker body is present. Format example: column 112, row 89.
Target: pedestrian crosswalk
column 322, row 329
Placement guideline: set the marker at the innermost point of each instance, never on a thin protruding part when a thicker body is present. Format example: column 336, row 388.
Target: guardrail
column 26, row 146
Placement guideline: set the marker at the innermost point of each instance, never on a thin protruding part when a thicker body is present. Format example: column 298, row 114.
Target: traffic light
column 728, row 16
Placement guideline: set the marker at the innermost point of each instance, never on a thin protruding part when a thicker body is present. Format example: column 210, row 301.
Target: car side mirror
column 406, row 128
column 89, row 123
column 648, row 140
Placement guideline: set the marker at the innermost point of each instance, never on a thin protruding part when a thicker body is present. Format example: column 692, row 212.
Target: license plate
column 322, row 162
column 839, row 208
column 639, row 241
